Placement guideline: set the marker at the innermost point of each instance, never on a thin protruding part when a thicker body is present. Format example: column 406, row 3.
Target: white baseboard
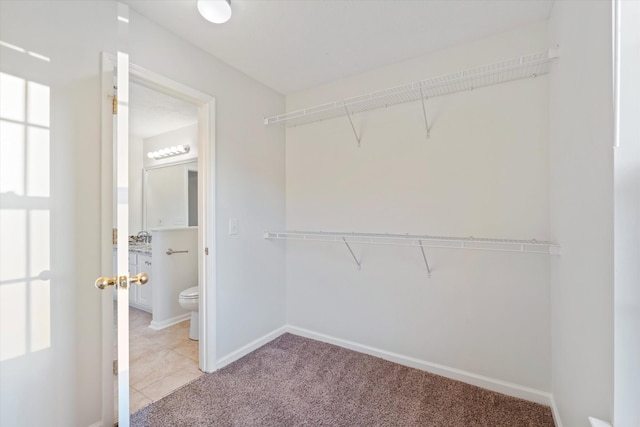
column 243, row 351
column 499, row 386
column 96, row 424
column 555, row 412
column 596, row 422
column 169, row 322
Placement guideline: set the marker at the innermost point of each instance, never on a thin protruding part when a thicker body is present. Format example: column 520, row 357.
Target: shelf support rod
column 424, row 113
column 352, row 254
column 353, row 128
column 424, row 256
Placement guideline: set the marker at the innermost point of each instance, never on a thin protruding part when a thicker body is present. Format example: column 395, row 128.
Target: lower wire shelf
column 422, row 241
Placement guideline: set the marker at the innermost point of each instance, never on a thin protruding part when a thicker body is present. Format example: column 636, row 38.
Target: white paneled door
column 50, row 219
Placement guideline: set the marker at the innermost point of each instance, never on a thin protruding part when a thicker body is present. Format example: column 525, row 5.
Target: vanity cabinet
column 133, row 270
column 139, row 295
column 143, row 293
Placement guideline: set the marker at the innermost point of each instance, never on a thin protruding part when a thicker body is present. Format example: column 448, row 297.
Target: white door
column 118, row 174
column 122, row 279
column 50, row 312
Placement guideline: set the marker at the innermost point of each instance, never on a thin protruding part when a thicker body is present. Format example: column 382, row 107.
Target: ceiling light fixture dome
column 216, row 11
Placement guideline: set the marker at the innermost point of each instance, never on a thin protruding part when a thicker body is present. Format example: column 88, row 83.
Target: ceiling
column 292, row 45
column 152, row 113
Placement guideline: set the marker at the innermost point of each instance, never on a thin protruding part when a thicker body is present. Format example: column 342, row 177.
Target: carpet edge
column 492, row 384
column 248, row 348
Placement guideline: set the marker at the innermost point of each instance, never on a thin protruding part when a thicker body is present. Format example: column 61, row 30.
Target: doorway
column 204, row 250
column 162, row 358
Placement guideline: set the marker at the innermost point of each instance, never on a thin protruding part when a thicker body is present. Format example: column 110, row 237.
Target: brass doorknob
column 103, row 282
column 140, row 278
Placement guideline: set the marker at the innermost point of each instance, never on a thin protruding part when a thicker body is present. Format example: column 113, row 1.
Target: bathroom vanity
column 140, row 296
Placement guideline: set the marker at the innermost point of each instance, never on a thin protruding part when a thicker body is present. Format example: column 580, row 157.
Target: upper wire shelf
column 502, row 245
column 527, row 66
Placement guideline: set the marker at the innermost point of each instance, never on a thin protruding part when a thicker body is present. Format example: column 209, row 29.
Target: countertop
column 142, row 249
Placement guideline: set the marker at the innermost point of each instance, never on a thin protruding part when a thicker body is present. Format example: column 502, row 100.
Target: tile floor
column 159, row 361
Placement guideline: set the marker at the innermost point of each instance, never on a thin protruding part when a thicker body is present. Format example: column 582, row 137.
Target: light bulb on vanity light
column 174, row 150
column 216, row 11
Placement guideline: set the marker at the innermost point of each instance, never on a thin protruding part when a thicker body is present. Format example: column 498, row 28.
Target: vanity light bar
column 176, row 150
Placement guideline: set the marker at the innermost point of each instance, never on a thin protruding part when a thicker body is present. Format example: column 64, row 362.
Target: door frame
column 206, row 214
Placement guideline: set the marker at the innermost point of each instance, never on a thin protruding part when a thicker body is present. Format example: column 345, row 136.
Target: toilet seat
column 190, row 293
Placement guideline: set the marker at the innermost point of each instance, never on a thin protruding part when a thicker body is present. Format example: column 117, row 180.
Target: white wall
column 483, row 173
column 249, row 185
column 581, row 140
column 627, row 227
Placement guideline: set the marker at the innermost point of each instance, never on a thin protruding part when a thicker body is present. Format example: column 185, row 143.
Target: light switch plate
column 233, row 226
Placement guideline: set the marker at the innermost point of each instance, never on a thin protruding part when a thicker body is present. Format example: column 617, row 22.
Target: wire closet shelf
column 443, row 242
column 527, row 66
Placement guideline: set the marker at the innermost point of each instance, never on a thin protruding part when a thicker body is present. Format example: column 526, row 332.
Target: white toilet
column 188, row 300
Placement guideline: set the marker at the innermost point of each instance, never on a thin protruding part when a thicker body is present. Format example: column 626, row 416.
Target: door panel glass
column 50, row 313
column 25, row 325
column 29, row 357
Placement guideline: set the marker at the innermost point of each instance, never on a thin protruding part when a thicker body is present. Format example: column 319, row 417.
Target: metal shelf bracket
column 352, row 126
column 424, row 113
column 352, row 254
column 424, row 256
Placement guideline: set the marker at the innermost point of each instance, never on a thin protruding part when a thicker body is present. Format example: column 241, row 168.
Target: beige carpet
column 294, row 381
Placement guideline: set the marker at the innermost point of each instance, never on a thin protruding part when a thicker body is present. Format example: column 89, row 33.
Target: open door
column 121, row 279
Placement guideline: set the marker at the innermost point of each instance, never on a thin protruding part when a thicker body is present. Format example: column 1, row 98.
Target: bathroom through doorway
column 201, row 354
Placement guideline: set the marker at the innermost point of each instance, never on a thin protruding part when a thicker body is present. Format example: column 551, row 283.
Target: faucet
column 144, row 237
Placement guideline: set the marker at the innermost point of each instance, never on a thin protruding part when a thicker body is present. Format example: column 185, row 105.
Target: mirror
column 170, row 196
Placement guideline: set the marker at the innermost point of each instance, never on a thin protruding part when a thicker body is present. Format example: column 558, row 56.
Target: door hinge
column 206, row 251
column 114, row 236
column 114, row 101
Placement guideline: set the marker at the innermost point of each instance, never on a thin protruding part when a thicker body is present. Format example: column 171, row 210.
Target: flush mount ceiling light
column 216, row 11
column 169, row 152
